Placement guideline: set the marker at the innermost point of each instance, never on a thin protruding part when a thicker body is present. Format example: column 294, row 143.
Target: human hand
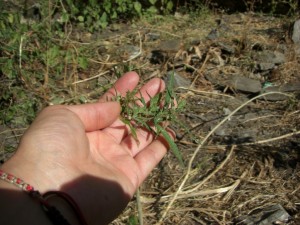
column 87, row 152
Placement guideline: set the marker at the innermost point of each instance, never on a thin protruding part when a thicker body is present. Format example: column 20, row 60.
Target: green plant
column 161, row 109
column 95, row 15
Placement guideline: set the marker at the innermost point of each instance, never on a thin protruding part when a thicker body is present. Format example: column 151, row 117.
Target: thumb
column 95, row 116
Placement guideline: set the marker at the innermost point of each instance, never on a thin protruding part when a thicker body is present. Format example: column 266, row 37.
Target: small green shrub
column 95, row 15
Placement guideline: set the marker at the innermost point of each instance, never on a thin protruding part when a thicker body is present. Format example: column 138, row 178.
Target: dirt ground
column 242, row 155
column 241, row 150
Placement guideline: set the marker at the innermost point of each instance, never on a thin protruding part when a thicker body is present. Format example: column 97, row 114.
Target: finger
column 148, row 159
column 126, row 83
column 151, row 88
column 98, row 115
column 135, row 144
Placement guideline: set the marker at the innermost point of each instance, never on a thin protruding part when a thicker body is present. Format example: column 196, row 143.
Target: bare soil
column 246, row 160
column 241, row 156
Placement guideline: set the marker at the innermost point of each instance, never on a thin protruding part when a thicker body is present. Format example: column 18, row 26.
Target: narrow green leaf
column 132, row 129
column 172, row 144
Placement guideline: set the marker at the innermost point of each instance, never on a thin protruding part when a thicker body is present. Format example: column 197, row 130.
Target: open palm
column 86, row 151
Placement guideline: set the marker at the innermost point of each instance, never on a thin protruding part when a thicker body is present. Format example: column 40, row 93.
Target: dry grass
column 225, row 181
column 225, row 177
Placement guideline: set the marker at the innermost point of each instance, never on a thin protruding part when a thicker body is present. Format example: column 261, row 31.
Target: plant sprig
column 152, row 115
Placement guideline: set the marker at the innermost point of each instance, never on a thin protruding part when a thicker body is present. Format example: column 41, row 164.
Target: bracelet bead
column 16, row 181
column 52, row 213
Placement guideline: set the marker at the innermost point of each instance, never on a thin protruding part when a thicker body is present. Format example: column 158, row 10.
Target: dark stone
column 179, row 81
column 268, row 56
column 286, row 88
column 152, row 36
column 236, row 82
column 170, row 46
column 226, row 48
column 213, row 34
column 244, row 84
column 266, row 60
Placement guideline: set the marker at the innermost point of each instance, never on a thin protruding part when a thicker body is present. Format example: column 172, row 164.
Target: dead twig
column 91, row 78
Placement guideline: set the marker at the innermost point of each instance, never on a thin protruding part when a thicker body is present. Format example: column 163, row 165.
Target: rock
column 226, row 111
column 152, row 36
column 226, row 48
column 265, row 66
column 274, row 214
column 245, row 84
column 179, row 81
column 128, row 52
column 289, row 87
column 213, row 34
column 221, row 131
column 236, row 82
column 296, row 32
column 169, row 46
column 273, row 97
column 266, row 60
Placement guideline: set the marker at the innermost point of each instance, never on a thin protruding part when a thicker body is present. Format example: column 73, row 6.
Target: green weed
column 161, row 109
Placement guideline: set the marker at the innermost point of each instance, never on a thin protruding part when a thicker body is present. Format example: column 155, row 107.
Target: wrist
column 57, row 206
column 17, row 207
column 30, row 172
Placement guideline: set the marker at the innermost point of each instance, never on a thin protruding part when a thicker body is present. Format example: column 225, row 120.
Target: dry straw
column 189, row 192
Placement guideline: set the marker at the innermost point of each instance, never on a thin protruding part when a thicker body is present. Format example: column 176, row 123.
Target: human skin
column 86, row 152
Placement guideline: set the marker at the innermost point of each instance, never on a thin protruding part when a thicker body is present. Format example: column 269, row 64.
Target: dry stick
column 273, row 139
column 204, row 92
column 199, row 71
column 20, row 52
column 192, row 195
column 235, row 185
column 228, row 188
column 263, row 141
column 91, row 78
column 199, row 147
column 139, row 207
column 211, row 174
column 104, row 63
column 200, row 193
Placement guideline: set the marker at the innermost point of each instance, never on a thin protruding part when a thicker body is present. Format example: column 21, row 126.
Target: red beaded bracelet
column 16, row 181
column 53, row 214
